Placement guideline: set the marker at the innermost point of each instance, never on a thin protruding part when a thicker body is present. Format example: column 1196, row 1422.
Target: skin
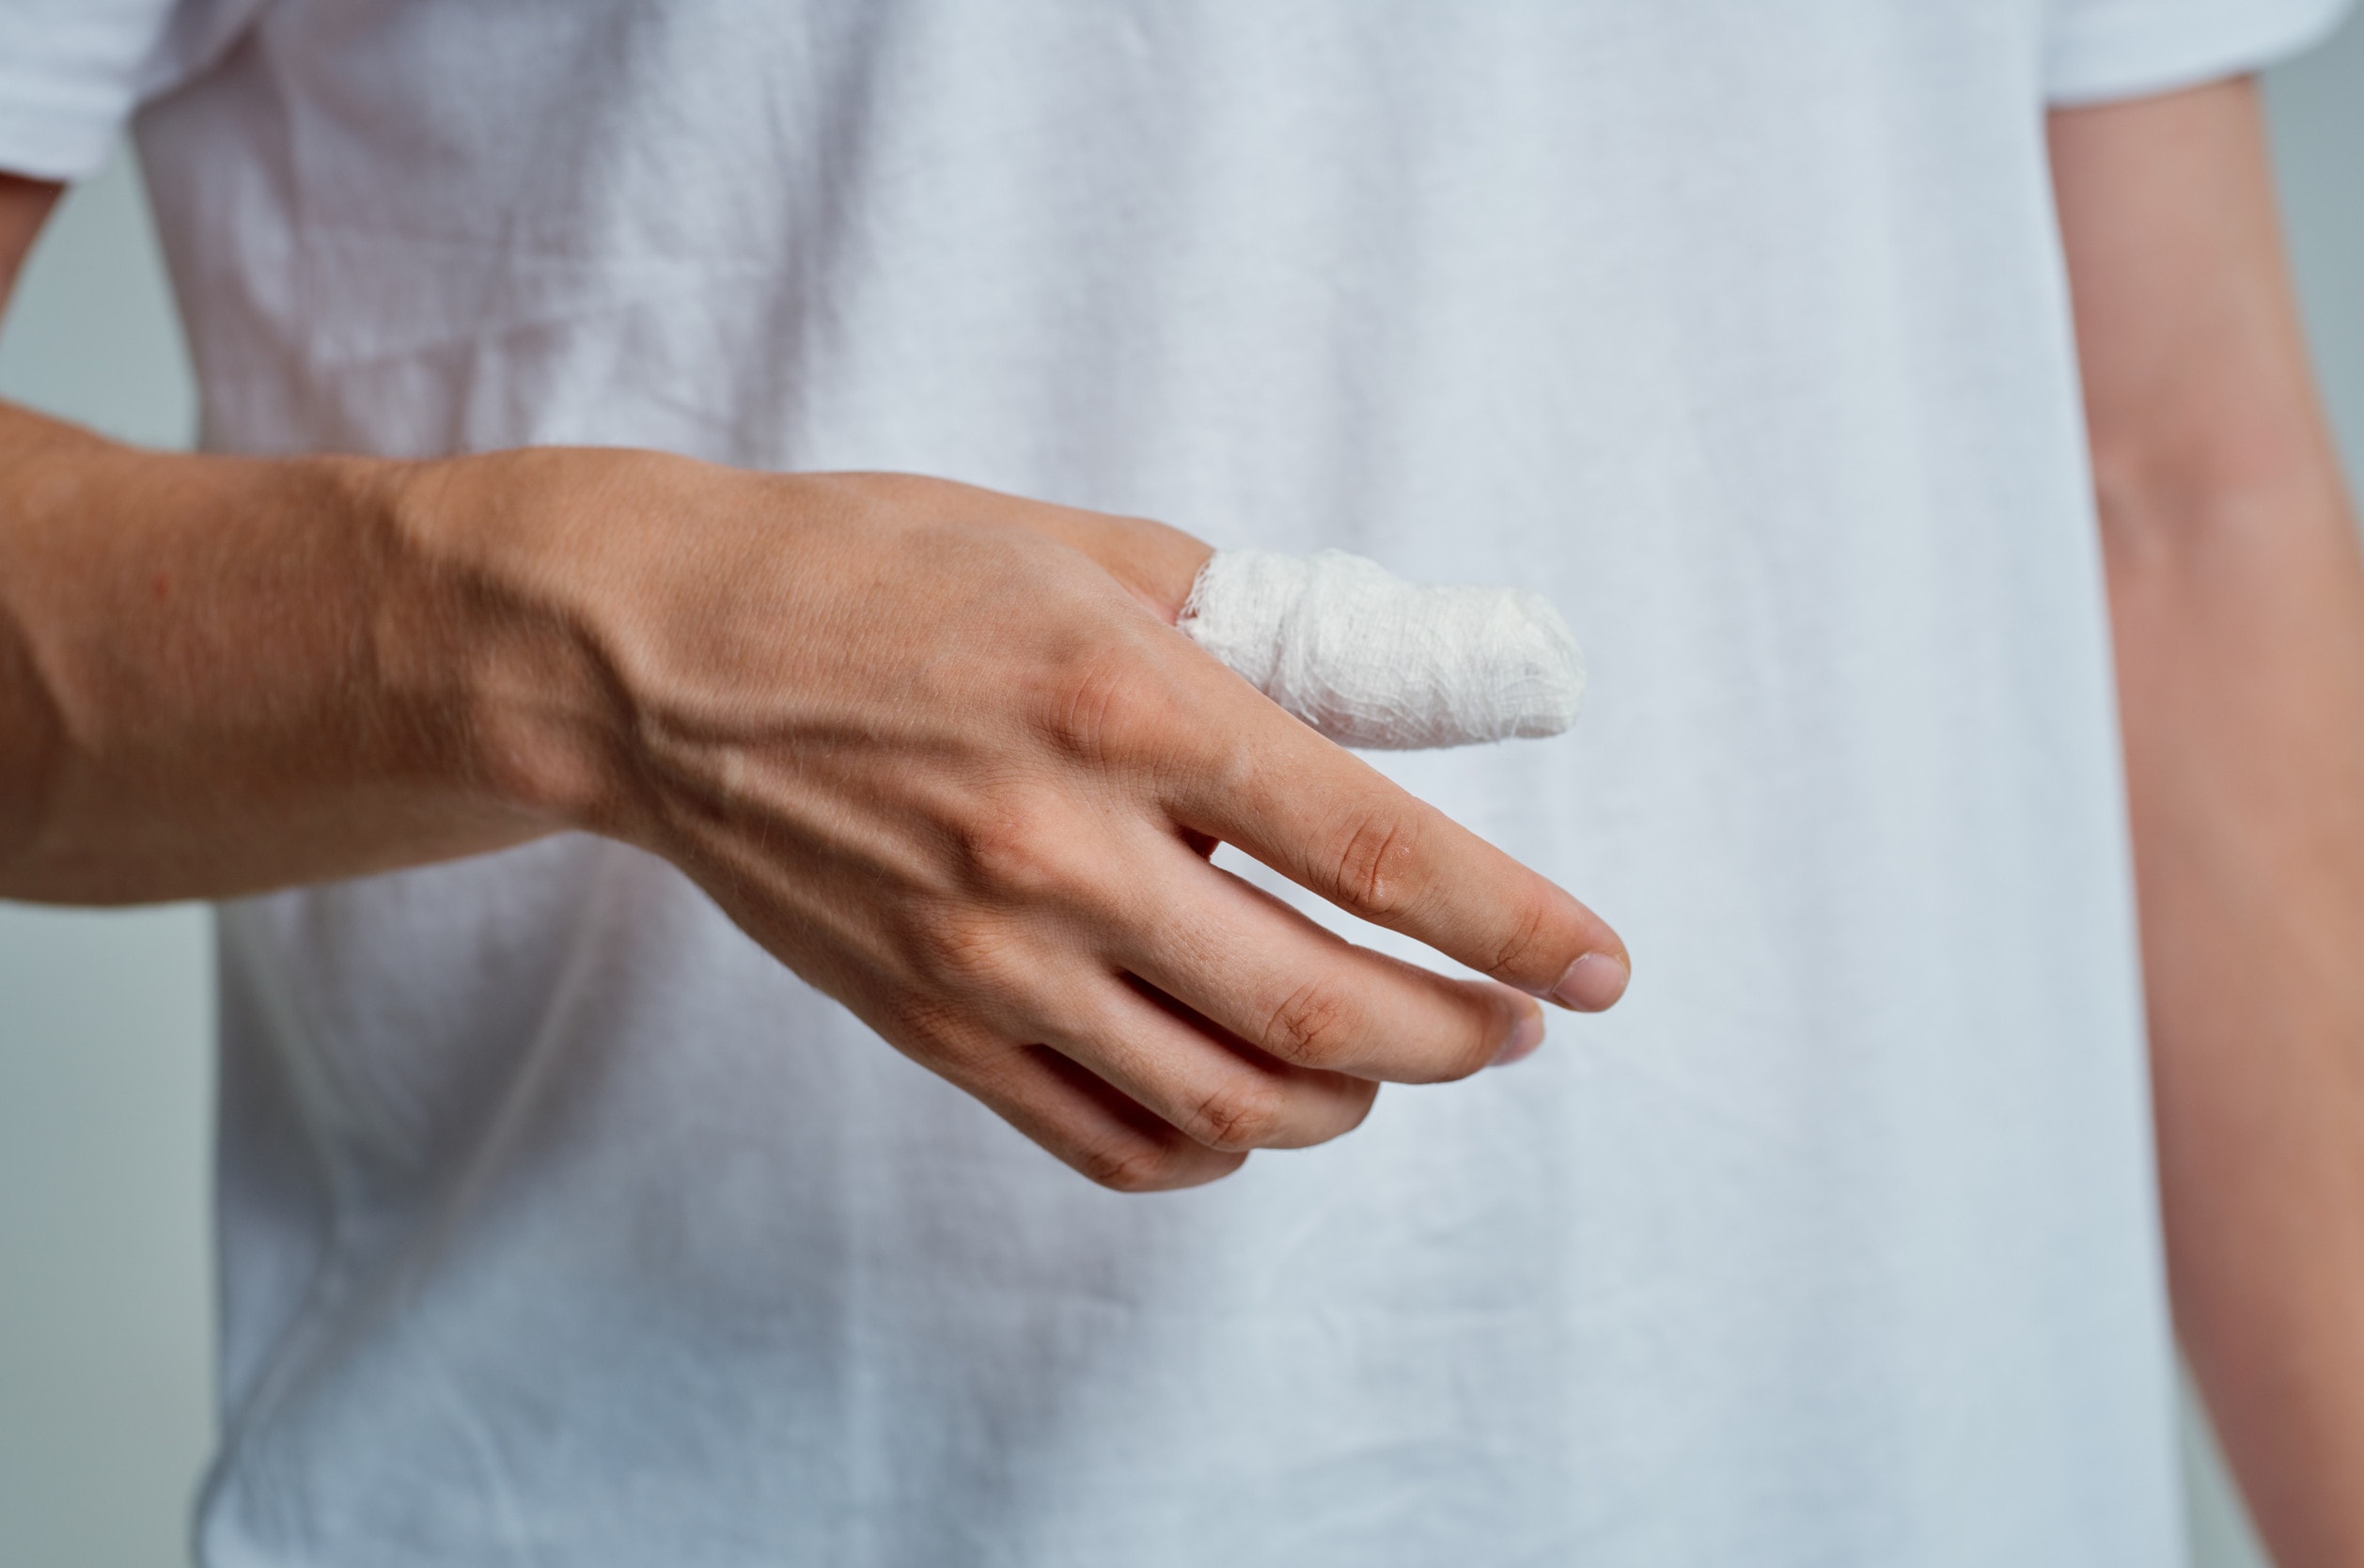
column 219, row 675
column 940, row 751
column 2237, row 601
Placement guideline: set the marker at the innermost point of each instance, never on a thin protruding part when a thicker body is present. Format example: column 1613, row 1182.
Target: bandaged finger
column 1373, row 661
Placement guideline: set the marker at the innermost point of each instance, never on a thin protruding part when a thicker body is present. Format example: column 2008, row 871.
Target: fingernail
column 1527, row 1035
column 1593, row 983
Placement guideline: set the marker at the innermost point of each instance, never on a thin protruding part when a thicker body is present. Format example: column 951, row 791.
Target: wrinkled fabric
column 561, row 1225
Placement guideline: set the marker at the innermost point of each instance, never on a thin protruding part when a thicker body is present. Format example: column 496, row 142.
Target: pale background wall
column 104, row 1080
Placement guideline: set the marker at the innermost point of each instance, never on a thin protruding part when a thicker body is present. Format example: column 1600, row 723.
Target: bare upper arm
column 2195, row 376
column 24, row 206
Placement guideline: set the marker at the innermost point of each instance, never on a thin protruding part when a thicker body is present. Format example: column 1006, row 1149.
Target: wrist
column 500, row 620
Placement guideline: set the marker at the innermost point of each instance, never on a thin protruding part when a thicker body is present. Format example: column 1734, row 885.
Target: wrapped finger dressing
column 1375, row 662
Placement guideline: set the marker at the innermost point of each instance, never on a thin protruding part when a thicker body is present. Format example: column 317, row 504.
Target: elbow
column 2200, row 497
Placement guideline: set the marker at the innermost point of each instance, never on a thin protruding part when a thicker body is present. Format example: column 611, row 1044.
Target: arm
column 2237, row 599
column 931, row 746
column 185, row 707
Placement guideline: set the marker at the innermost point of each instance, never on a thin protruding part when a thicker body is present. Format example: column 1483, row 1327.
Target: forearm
column 223, row 675
column 2237, row 601
column 220, row 675
column 2240, row 631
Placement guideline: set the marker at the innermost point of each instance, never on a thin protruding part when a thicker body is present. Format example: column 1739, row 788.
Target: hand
column 940, row 751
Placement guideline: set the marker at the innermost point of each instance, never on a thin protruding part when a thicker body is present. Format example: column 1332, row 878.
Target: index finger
column 1334, row 826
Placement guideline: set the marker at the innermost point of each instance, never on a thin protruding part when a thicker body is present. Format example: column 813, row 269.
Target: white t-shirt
column 559, row 1225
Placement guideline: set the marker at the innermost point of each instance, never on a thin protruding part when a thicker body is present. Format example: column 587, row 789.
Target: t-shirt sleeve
column 2098, row 50
column 71, row 71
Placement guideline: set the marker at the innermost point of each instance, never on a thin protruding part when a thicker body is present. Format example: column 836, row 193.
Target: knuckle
column 1245, row 1112
column 1372, row 870
column 1313, row 1026
column 1014, row 851
column 1108, row 705
column 1525, row 951
column 926, row 1027
column 1133, row 1166
column 966, row 952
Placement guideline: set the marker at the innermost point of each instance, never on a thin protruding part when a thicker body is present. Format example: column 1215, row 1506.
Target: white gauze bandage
column 1372, row 661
